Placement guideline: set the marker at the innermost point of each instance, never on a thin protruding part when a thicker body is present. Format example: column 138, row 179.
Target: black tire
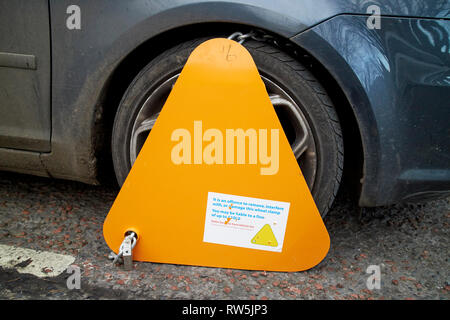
column 287, row 72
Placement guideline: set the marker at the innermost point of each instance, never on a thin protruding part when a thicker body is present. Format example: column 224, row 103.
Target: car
column 361, row 88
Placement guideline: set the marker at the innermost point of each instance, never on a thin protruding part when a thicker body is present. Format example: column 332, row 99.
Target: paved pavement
column 408, row 243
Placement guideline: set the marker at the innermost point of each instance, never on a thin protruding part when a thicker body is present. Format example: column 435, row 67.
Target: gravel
column 408, row 242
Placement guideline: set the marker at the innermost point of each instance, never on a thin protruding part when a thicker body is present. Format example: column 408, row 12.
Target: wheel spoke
column 144, row 127
column 300, row 144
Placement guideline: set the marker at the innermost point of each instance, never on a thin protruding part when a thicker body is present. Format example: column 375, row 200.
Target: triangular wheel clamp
column 193, row 198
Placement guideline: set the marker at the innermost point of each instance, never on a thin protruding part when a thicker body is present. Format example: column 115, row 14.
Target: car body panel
column 83, row 62
column 25, row 75
column 397, row 80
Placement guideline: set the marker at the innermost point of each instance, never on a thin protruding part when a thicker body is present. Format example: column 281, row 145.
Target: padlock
column 127, row 254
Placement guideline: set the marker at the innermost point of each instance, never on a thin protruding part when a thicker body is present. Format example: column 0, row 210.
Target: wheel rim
column 292, row 119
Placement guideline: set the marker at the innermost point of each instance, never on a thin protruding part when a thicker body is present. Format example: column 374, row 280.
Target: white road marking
column 39, row 263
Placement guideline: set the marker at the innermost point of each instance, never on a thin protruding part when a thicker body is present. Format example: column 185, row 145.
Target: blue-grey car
column 361, row 87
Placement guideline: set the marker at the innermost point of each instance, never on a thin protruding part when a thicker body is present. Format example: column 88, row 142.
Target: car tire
column 288, row 75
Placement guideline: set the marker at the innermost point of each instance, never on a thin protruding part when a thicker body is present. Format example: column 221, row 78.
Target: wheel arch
column 132, row 63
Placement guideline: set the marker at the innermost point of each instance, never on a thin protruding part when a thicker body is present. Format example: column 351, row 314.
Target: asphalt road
column 408, row 243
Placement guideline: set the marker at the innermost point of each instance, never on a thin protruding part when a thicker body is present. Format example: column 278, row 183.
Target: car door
column 25, row 75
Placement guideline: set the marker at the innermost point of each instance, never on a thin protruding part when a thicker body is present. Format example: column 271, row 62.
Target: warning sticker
column 245, row 222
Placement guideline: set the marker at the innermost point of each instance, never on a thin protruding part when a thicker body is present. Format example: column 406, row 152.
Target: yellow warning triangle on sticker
column 265, row 237
column 218, row 135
